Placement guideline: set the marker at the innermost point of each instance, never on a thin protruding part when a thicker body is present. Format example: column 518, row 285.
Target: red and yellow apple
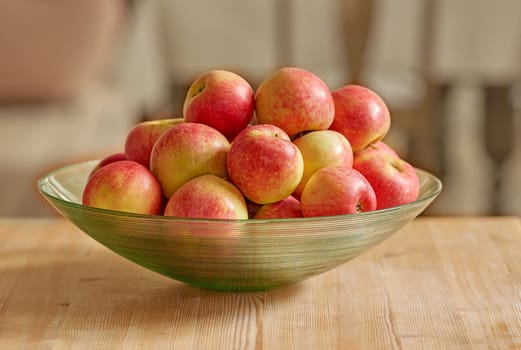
column 125, row 186
column 264, row 164
column 208, row 197
column 295, row 100
column 111, row 158
column 337, row 190
column 185, row 151
column 287, row 208
column 141, row 138
column 221, row 99
column 360, row 115
column 319, row 149
column 393, row 179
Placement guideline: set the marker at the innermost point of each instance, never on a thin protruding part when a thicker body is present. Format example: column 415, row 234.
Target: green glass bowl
column 242, row 255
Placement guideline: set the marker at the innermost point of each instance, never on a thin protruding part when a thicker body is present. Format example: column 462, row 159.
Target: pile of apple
column 293, row 148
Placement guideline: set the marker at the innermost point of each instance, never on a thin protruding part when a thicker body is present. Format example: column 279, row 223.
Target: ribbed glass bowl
column 242, row 255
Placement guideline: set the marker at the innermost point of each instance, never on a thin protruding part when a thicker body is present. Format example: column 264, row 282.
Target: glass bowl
column 232, row 255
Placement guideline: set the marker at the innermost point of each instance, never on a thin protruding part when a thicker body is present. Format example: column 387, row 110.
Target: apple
column 295, row 100
column 111, row 158
column 319, row 149
column 221, row 99
column 207, row 197
column 264, row 164
column 393, row 179
column 289, row 207
column 360, row 115
column 185, row 151
column 141, row 138
column 337, row 190
column 125, row 186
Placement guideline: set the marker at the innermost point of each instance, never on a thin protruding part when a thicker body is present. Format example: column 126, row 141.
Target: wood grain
column 439, row 283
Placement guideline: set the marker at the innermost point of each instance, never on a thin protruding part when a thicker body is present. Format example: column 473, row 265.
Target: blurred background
column 76, row 75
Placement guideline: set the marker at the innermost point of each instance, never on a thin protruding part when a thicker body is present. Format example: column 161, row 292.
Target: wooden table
column 439, row 283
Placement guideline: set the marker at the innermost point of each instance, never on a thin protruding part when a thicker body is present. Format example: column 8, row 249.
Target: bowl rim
column 43, row 181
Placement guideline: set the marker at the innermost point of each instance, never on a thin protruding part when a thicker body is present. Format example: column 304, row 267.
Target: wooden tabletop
column 439, row 283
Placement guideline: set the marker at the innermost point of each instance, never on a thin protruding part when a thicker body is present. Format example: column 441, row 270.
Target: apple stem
column 197, row 90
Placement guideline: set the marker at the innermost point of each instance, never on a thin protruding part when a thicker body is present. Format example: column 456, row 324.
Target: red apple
column 337, row 190
column 107, row 160
column 125, row 186
column 319, row 149
column 295, row 100
column 222, row 100
column 185, row 151
column 360, row 115
column 393, row 179
column 207, row 197
column 289, row 207
column 264, row 164
column 143, row 135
